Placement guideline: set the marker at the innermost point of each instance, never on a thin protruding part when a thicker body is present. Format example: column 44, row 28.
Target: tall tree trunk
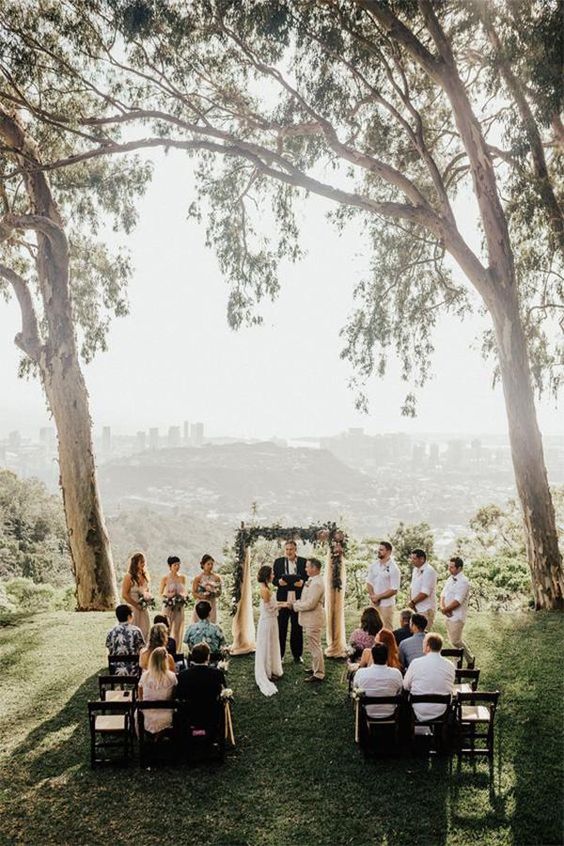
column 89, row 543
column 56, row 357
column 545, row 559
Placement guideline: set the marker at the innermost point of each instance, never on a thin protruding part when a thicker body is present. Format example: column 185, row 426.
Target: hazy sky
column 174, row 357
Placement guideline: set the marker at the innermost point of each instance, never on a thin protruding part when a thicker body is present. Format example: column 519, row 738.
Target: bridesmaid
column 135, row 586
column 207, row 585
column 174, row 585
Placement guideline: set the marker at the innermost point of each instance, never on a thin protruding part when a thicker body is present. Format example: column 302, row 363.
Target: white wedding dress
column 267, row 656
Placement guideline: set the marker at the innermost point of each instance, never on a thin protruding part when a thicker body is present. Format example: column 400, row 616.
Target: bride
column 268, row 663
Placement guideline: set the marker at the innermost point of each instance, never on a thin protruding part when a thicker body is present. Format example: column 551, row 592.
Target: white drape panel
column 243, row 626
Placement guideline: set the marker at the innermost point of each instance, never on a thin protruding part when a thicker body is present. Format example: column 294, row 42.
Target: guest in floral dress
column 363, row 637
column 207, row 585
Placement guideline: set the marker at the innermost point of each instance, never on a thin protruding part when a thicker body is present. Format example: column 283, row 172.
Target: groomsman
column 454, row 605
column 288, row 590
column 423, row 587
column 382, row 584
column 312, row 618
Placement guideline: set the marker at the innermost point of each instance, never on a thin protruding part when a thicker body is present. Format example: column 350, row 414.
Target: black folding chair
column 111, row 736
column 204, row 733
column 454, row 653
column 475, row 721
column 467, row 677
column 124, row 665
column 118, row 688
column 164, row 746
column 384, row 728
column 438, row 725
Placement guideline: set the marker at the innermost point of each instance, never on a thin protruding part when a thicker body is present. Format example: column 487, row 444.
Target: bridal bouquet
column 146, row 601
column 226, row 694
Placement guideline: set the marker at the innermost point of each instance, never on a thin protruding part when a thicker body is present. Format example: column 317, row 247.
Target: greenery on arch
column 325, row 534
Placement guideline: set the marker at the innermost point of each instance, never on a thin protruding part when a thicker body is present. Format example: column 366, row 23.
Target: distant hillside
column 296, row 485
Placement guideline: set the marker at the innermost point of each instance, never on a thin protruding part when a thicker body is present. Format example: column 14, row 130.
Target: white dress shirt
column 424, row 580
column 457, row 588
column 384, row 576
column 430, row 674
column 378, row 680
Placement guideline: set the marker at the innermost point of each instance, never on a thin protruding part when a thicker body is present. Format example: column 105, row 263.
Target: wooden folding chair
column 111, row 736
column 118, row 688
column 438, row 725
column 164, row 746
column 454, row 653
column 387, row 727
column 466, row 681
column 475, row 720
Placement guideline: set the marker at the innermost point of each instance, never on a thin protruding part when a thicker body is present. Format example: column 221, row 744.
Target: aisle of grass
column 296, row 776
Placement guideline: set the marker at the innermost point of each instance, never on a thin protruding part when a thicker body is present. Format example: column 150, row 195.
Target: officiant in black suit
column 289, row 578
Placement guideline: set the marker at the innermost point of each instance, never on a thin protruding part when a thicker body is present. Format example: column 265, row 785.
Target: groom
column 290, row 589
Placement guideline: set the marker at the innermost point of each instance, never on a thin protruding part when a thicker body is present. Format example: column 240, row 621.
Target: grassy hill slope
column 295, row 776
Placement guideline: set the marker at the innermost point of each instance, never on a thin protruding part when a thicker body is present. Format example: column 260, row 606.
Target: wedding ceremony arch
column 326, row 535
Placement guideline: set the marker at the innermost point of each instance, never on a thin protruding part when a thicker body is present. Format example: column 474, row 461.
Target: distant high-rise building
column 153, row 438
column 106, row 439
column 476, row 451
column 140, row 441
column 197, row 434
column 186, row 432
column 455, row 452
column 418, row 454
column 174, row 436
column 14, row 440
column 434, row 455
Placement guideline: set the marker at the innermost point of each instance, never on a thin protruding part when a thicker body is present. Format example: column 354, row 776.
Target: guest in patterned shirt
column 204, row 631
column 125, row 638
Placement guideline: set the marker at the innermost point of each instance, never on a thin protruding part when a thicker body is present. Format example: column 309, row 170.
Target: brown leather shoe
column 315, row 679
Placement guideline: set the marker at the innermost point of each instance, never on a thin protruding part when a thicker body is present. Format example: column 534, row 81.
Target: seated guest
column 200, row 685
column 158, row 682
column 363, row 637
column 379, row 680
column 384, row 636
column 430, row 674
column 158, row 636
column 171, row 643
column 125, row 638
column 404, row 631
column 204, row 631
column 412, row 647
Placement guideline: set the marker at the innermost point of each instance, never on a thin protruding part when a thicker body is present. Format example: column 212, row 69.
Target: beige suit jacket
column 310, row 606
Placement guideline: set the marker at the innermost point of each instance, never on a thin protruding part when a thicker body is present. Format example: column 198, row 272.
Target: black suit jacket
column 280, row 568
column 200, row 686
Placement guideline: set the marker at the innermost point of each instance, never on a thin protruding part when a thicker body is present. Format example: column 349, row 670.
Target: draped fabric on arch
column 243, row 626
column 335, row 611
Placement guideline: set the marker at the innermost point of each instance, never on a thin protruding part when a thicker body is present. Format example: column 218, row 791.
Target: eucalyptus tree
column 64, row 281
column 424, row 121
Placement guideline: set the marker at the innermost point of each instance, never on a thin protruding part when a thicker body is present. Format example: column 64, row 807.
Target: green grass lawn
column 295, row 776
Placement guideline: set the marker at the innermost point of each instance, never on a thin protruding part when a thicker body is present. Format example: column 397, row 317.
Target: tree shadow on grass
column 530, row 718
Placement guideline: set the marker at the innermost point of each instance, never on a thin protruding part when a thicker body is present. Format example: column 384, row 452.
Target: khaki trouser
column 313, row 645
column 430, row 615
column 454, row 630
column 387, row 614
